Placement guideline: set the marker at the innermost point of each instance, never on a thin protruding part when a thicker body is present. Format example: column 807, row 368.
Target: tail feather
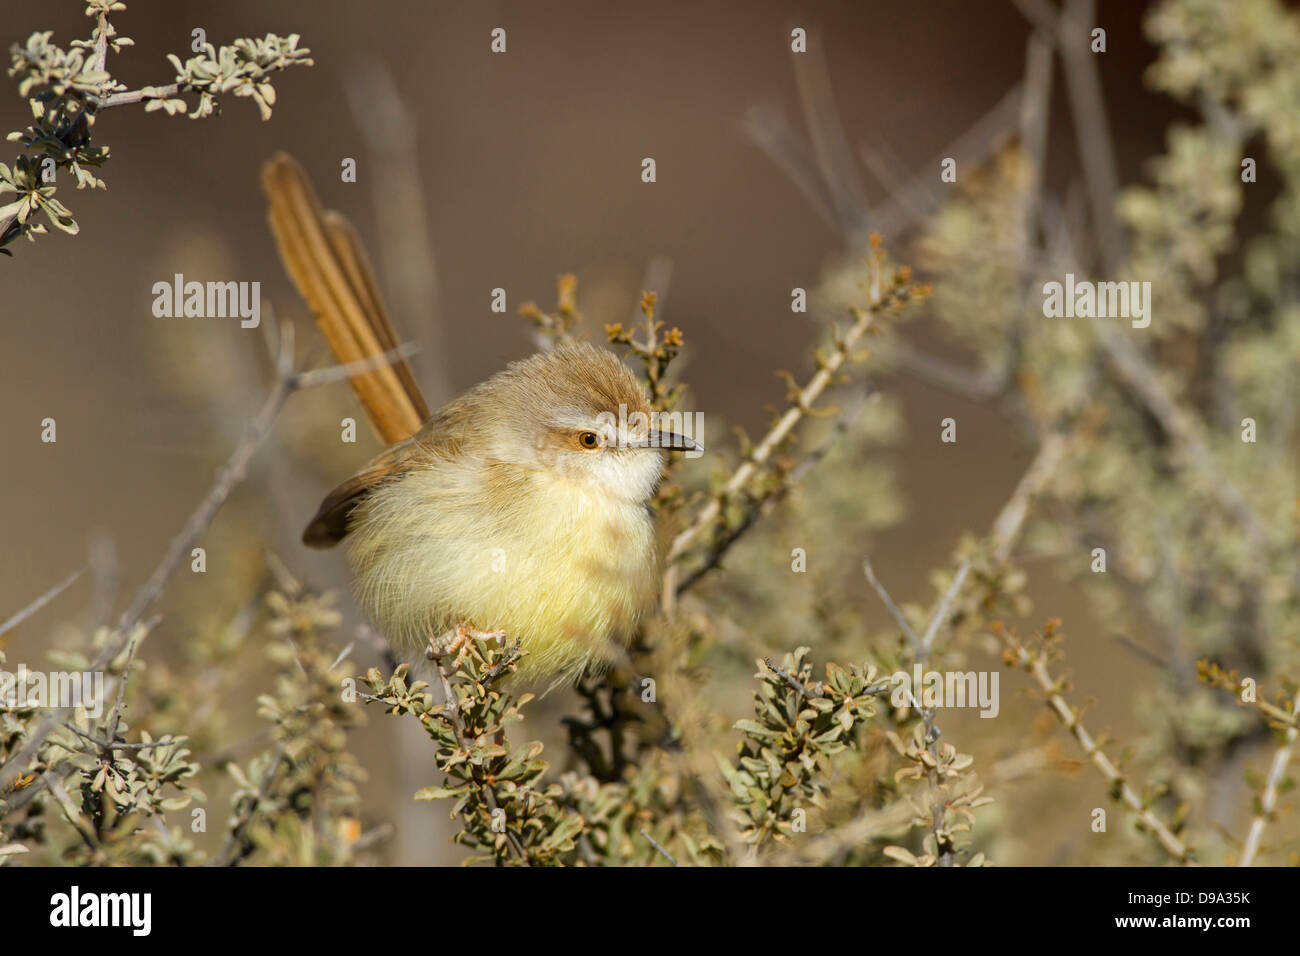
column 325, row 259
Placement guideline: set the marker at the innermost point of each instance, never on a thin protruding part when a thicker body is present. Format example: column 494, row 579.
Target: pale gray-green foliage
column 1187, row 576
column 66, row 89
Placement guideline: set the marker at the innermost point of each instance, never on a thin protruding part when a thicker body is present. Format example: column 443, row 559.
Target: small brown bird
column 519, row 508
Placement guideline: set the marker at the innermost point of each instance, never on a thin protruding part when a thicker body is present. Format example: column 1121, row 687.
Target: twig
column 1268, row 799
column 106, row 747
column 761, row 508
column 920, row 647
column 1037, row 666
column 64, row 799
column 906, row 206
column 1006, row 528
column 101, row 41
column 228, row 854
column 979, row 385
column 1040, row 14
column 131, row 97
column 1002, row 538
column 406, row 250
column 231, row 474
column 37, row 604
column 890, row 606
column 497, row 669
column 830, row 144
column 1007, row 525
column 451, row 705
column 940, row 614
column 664, row 853
column 805, row 400
column 828, row 846
column 337, row 373
column 792, row 680
column 772, row 133
column 1091, row 129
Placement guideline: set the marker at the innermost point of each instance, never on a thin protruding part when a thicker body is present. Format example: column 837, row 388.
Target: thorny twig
column 802, row 404
column 760, row 508
column 1035, row 662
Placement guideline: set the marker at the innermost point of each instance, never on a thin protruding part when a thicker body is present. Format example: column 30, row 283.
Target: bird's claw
column 457, row 641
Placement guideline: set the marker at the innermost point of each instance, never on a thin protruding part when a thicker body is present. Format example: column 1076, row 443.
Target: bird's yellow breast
column 566, row 569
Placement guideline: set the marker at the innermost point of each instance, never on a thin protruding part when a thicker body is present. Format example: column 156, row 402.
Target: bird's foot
column 457, row 640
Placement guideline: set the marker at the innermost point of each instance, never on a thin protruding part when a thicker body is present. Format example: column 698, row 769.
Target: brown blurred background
column 529, row 166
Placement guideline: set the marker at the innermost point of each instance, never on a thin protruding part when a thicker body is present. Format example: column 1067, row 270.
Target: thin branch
column 1091, row 128
column 828, row 847
column 64, row 800
column 941, row 612
column 805, row 400
column 761, row 508
column 451, row 705
column 1268, row 799
column 772, row 133
column 830, row 144
column 793, row 681
column 899, row 211
column 37, row 604
column 664, row 853
column 1133, row 370
column 1041, row 15
column 1006, row 528
column 101, row 41
column 1037, row 666
column 228, row 477
column 890, row 606
column 337, row 373
column 944, row 850
column 229, row 853
column 106, row 747
column 976, row 385
column 1002, row 538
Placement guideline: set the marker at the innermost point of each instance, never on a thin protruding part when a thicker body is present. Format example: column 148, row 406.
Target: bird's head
column 581, row 414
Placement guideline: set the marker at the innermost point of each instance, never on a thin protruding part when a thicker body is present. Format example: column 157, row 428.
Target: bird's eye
column 588, row 440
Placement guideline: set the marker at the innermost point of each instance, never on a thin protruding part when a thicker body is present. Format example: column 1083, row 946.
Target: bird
column 518, row 510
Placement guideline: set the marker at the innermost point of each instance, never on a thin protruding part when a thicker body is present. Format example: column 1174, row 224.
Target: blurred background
column 477, row 171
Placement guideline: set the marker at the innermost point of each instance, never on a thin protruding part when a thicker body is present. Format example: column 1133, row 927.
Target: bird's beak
column 667, row 441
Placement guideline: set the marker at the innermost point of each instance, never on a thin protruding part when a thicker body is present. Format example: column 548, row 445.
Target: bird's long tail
column 326, row 261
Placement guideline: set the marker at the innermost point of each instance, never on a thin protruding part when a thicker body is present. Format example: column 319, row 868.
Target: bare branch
column 23, row 614
column 1268, row 799
column 228, row 477
column 662, row 852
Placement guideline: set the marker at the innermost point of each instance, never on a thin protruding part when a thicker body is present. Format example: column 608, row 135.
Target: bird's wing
column 442, row 436
column 330, row 525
